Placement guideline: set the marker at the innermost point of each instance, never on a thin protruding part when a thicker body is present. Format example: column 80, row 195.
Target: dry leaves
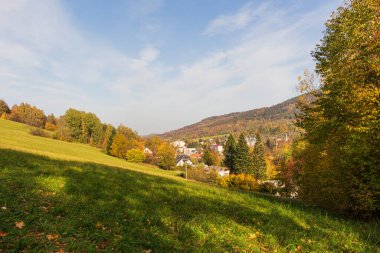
column 3, row 234
column 19, row 224
column 52, row 237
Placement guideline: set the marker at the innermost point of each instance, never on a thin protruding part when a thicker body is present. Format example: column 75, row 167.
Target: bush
column 268, row 187
column 39, row 132
column 200, row 175
column 135, row 155
column 240, row 181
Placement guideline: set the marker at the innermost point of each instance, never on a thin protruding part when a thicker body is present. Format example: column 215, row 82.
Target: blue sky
column 156, row 65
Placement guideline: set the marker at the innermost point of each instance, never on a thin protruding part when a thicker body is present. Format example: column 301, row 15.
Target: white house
column 147, row 151
column 178, row 144
column 189, row 151
column 217, row 148
column 182, row 160
column 222, row 171
column 251, row 141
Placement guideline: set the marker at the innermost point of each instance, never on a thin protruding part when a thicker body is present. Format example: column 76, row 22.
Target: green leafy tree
column 109, row 133
column 209, row 157
column 94, row 128
column 135, row 155
column 341, row 157
column 72, row 127
column 258, row 159
column 230, row 153
column 243, row 162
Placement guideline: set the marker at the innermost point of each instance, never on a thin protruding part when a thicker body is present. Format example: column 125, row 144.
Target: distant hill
column 269, row 121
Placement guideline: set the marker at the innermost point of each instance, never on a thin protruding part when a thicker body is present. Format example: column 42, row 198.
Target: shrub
column 268, row 187
column 50, row 127
column 240, row 181
column 135, row 155
column 39, row 132
column 200, row 175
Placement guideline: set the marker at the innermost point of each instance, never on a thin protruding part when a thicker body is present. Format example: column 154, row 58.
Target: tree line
column 85, row 127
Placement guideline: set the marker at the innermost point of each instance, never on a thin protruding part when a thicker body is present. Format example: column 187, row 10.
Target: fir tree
column 242, row 158
column 258, row 159
column 230, row 153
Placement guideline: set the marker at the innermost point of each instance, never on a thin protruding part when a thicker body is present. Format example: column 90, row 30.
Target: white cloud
column 45, row 60
column 237, row 21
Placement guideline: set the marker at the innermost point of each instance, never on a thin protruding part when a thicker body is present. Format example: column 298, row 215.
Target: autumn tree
column 258, row 159
column 166, row 156
column 119, row 146
column 153, row 143
column 341, row 155
column 135, row 155
column 51, row 123
column 4, row 108
column 30, row 115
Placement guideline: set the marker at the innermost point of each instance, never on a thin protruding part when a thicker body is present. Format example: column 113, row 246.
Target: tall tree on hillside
column 166, row 156
column 109, row 133
column 153, row 143
column 51, row 123
column 94, row 128
column 243, row 160
column 341, row 158
column 4, row 108
column 230, row 153
column 210, row 158
column 119, row 146
column 258, row 159
column 72, row 125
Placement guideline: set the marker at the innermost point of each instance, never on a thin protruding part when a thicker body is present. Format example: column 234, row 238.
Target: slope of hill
column 276, row 119
column 69, row 197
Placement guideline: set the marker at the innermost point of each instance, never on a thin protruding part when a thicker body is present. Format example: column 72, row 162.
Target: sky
column 156, row 65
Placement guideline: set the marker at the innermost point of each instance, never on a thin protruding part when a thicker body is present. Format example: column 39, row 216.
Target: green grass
column 94, row 203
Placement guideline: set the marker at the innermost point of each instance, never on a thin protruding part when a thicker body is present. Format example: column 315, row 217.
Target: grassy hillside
column 72, row 197
column 276, row 119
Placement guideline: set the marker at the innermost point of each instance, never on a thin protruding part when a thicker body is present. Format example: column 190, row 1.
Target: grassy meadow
column 69, row 197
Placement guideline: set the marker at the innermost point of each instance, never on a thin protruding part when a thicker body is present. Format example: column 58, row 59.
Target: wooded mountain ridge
column 276, row 119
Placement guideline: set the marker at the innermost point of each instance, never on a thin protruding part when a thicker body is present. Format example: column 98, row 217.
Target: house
column 182, row 160
column 251, row 141
column 147, row 151
column 189, row 151
column 217, row 148
column 178, row 144
column 221, row 171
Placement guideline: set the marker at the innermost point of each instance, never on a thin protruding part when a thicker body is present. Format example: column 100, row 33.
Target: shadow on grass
column 97, row 207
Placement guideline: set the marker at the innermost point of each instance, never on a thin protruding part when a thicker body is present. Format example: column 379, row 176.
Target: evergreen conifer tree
column 258, row 159
column 230, row 153
column 242, row 158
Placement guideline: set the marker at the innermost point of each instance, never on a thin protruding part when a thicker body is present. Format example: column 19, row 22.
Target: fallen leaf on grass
column 19, row 224
column 51, row 237
column 148, row 251
column 299, row 248
column 60, row 251
column 3, row 234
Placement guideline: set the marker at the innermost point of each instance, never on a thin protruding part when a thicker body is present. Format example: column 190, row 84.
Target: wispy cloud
column 46, row 60
column 236, row 21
